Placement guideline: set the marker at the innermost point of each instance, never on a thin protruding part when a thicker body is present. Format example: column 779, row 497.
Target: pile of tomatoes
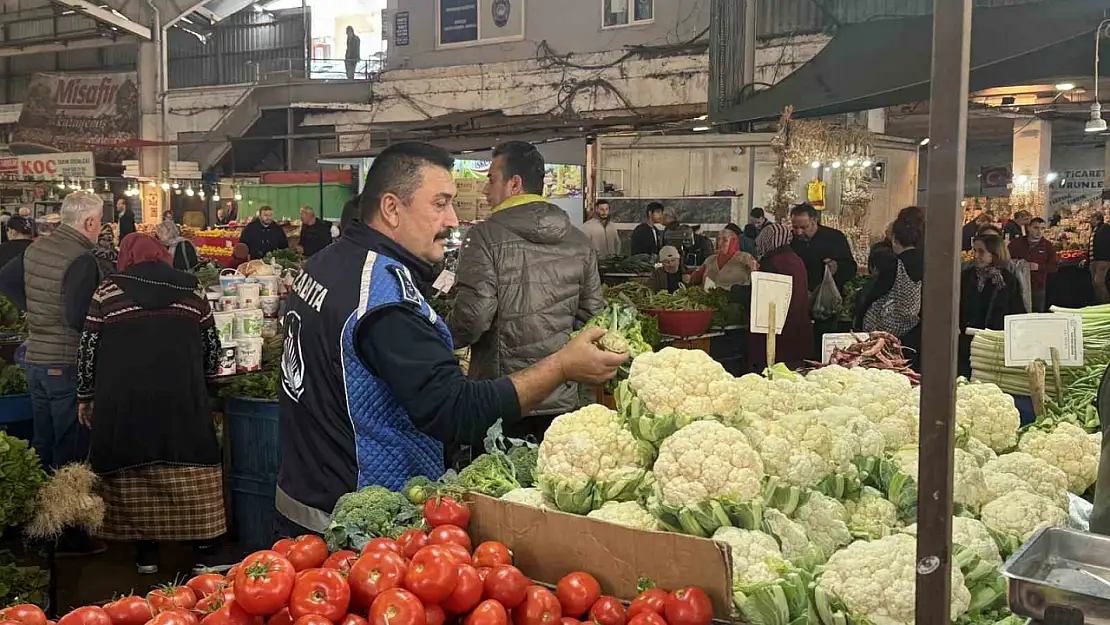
column 422, row 578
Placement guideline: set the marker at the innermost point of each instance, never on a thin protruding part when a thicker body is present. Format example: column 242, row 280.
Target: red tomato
column 88, row 615
column 215, row 600
column 432, row 575
column 26, row 614
column 312, row 619
column 688, row 606
column 412, row 541
column 397, row 606
column 308, row 552
column 492, row 553
column 176, row 616
column 484, row 572
column 353, row 619
column 647, row 618
column 283, row 546
column 321, row 591
column 651, row 600
column 373, row 574
column 434, row 615
column 507, row 585
column 341, row 561
column 446, row 511
column 449, row 534
column 457, row 553
column 608, row 611
column 169, row 597
column 230, row 575
column 281, row 618
column 488, row 612
column 577, row 592
column 264, row 583
column 128, row 611
column 230, row 613
column 566, row 620
column 467, row 592
column 385, row 543
column 540, row 607
column 204, row 585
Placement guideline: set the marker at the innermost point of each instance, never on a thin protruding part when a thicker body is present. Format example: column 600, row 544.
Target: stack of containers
column 240, row 319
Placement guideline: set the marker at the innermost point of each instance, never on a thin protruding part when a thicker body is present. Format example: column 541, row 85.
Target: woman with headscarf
column 148, row 344
column 183, row 253
column 667, row 277
column 105, row 248
column 795, row 344
column 728, row 266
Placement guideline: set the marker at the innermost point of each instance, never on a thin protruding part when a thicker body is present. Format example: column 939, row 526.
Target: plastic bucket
column 248, row 355
column 248, row 324
column 229, row 303
column 230, row 280
column 269, row 285
column 682, row 322
column 249, row 292
column 225, row 325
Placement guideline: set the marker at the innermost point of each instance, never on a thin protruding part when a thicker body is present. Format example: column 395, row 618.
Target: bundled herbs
column 638, row 264
column 633, row 293
column 13, row 379
column 852, row 289
column 726, row 312
column 880, row 350
column 286, row 259
column 22, row 584
column 21, row 477
column 208, row 274
column 11, row 320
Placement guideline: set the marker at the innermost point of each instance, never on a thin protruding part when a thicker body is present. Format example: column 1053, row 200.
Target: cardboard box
column 548, row 545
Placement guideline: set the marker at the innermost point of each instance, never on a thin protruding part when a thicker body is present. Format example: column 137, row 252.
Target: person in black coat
column 988, row 293
column 126, row 218
column 19, row 231
column 263, row 235
column 647, row 237
column 315, row 233
column 891, row 300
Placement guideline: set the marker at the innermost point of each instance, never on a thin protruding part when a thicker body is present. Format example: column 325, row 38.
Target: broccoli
column 523, row 459
column 372, row 512
column 490, row 474
column 418, row 489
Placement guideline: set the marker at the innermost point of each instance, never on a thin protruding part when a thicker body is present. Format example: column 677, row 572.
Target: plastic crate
column 252, row 511
column 254, row 433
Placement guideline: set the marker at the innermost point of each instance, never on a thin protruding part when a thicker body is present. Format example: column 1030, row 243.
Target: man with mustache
column 527, row 279
column 371, row 389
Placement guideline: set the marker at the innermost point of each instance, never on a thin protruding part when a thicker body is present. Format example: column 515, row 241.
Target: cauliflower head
column 876, row 580
column 988, row 414
column 588, row 457
column 766, row 398
column 971, row 534
column 756, row 557
column 533, row 497
column 1069, row 448
column 825, row 521
column 886, row 399
column 1022, row 471
column 668, row 389
column 791, row 536
column 969, row 487
column 872, row 516
column 977, row 448
column 626, row 513
column 707, row 476
column 1019, row 514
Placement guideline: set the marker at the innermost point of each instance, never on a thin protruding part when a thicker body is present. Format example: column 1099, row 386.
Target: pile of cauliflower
column 810, row 481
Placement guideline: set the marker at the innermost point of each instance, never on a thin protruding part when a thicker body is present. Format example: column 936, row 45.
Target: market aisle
column 96, row 580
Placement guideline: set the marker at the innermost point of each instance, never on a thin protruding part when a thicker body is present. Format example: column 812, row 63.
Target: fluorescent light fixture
column 925, row 141
column 700, row 128
column 1065, row 86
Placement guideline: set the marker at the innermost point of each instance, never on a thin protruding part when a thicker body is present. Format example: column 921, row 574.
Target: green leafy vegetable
column 373, row 512
column 286, row 259
column 22, row 584
column 523, row 459
column 21, row 477
column 13, row 379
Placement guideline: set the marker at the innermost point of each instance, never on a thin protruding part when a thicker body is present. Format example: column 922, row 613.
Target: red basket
column 682, row 322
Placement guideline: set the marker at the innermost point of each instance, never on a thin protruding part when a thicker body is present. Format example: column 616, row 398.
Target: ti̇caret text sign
column 57, row 166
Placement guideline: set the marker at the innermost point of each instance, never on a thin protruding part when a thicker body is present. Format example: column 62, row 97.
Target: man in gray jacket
column 526, row 279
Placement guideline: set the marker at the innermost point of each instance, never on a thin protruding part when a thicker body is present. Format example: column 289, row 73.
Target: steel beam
column 945, row 189
column 106, row 15
column 9, row 49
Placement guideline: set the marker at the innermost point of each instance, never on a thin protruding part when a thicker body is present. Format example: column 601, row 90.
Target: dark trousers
column 59, row 439
column 284, row 528
column 352, row 65
column 1038, row 301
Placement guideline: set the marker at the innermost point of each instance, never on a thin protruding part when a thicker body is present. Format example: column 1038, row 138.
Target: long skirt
column 163, row 503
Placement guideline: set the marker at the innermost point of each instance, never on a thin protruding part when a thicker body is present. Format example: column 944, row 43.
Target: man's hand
column 1034, row 267
column 84, row 414
column 831, row 264
column 582, row 361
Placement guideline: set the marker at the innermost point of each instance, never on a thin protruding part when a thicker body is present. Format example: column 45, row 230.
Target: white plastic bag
column 825, row 300
column 1021, row 272
column 1079, row 513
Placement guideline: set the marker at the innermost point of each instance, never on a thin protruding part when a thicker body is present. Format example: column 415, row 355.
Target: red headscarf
column 141, row 248
column 726, row 254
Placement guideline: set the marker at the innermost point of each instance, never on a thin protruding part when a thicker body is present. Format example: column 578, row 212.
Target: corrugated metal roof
column 784, row 17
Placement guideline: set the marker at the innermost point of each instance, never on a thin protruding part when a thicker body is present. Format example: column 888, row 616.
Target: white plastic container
column 229, row 303
column 228, row 361
column 248, row 324
column 270, row 285
column 248, row 355
column 249, row 294
column 270, row 305
column 230, row 279
column 270, row 328
column 225, row 325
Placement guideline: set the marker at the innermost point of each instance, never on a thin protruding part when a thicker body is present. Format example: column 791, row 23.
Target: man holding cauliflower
column 371, row 389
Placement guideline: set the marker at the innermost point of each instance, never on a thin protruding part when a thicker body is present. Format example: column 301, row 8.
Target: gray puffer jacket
column 526, row 279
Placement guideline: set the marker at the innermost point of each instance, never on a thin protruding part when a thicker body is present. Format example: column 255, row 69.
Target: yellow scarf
column 518, row 200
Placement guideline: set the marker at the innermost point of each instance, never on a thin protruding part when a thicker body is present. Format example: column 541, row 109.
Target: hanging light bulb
column 189, row 191
column 175, row 185
column 238, row 195
column 815, row 164
column 200, row 193
column 177, row 191
column 867, row 162
column 153, row 183
column 165, row 186
column 62, row 184
column 836, row 165
column 216, row 196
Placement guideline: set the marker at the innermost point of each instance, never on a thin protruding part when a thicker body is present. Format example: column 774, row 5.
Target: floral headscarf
column 168, row 233
column 106, row 244
column 772, row 237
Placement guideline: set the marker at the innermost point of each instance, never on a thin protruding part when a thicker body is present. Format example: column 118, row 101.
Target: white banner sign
column 57, row 166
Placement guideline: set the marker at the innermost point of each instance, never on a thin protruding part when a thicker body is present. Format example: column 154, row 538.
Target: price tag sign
column 768, row 288
column 838, row 340
column 1033, row 336
column 444, row 281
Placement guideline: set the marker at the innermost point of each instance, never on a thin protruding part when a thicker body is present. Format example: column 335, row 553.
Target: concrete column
column 1032, row 155
column 151, row 159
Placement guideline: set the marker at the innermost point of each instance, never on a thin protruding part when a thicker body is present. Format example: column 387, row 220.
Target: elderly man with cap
column 667, row 276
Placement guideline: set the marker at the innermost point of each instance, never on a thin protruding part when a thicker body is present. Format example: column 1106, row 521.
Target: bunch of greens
column 682, row 299
column 13, row 379
column 21, row 477
column 22, row 584
column 286, row 259
column 726, row 312
column 11, row 320
column 507, row 465
column 373, row 512
column 638, row 264
column 255, row 385
column 635, row 294
column 851, row 294
column 207, row 273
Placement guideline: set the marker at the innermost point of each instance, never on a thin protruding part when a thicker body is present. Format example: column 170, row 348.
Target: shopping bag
column 825, row 300
column 1021, row 272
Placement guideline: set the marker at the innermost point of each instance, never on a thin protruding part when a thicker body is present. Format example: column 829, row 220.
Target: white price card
column 444, row 281
column 835, row 340
column 709, row 284
column 1032, row 336
column 767, row 288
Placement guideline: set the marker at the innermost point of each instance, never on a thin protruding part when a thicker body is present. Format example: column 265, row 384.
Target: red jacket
column 1042, row 253
column 795, row 344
